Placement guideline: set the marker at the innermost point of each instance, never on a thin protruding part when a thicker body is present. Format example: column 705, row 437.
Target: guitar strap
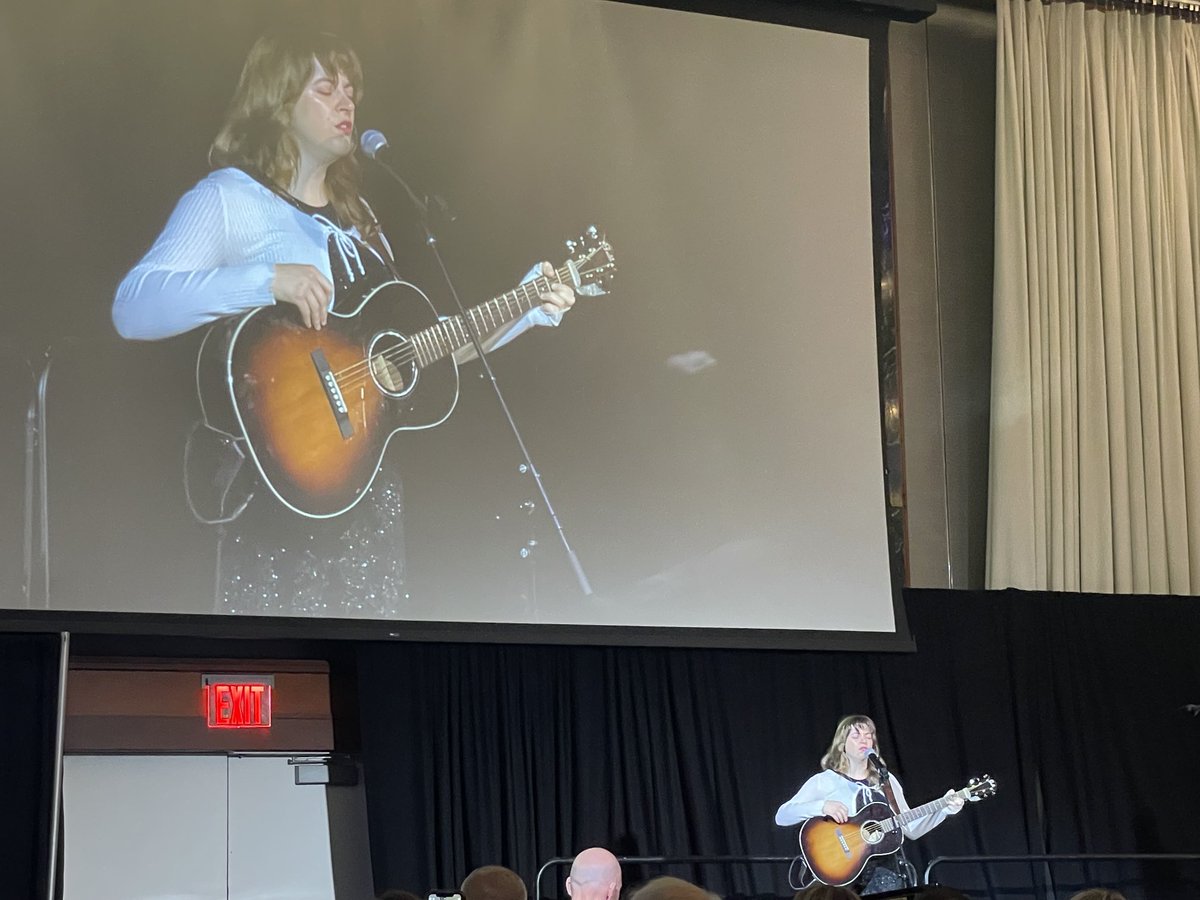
column 380, row 244
column 886, row 784
column 905, row 866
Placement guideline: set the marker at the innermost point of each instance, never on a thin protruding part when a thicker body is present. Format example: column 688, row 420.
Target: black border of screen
column 844, row 18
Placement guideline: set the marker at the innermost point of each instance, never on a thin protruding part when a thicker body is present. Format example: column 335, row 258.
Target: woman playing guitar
column 846, row 784
column 279, row 223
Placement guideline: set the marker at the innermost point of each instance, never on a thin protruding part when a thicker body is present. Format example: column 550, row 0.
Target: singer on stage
column 851, row 777
column 280, row 221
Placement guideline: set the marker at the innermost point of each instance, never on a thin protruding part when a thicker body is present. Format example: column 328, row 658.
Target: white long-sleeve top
column 216, row 257
column 832, row 785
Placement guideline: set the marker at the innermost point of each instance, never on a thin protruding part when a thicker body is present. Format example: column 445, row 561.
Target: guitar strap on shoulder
column 886, row 784
column 379, row 242
column 907, row 873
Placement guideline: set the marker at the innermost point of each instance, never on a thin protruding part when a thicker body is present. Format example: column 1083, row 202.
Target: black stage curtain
column 1077, row 705
column 29, row 700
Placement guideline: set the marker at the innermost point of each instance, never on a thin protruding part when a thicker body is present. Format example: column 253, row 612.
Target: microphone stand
column 432, row 243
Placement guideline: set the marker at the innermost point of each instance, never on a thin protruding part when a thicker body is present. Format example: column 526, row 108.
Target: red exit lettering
column 238, row 705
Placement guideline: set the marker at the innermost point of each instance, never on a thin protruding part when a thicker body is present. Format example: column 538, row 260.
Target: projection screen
column 705, row 418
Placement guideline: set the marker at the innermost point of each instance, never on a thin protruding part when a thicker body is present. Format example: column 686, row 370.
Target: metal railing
column 988, row 859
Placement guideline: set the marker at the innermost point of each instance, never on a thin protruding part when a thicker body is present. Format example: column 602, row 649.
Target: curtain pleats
column 1095, row 442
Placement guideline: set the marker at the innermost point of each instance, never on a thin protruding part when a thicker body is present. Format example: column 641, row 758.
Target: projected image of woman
column 849, row 781
column 280, row 222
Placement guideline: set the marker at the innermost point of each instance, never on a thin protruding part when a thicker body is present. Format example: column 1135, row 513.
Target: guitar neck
column 901, row 819
column 450, row 334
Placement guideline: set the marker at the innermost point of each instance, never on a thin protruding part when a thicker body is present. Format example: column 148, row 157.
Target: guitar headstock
column 978, row 788
column 592, row 263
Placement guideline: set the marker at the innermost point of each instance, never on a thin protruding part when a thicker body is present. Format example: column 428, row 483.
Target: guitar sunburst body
column 838, row 852
column 317, row 408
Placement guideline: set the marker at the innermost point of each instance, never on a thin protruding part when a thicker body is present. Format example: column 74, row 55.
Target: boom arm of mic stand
column 431, row 242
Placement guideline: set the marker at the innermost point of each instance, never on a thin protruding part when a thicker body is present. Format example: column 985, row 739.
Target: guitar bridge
column 333, row 393
column 842, row 840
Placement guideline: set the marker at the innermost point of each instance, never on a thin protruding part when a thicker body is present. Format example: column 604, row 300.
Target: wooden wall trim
column 133, row 706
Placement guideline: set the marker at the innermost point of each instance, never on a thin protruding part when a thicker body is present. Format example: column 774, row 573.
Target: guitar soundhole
column 392, row 363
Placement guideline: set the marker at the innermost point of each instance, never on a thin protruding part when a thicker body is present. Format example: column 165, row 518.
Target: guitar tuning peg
column 592, row 232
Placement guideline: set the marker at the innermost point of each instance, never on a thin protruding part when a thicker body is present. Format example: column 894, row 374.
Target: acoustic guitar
column 316, row 410
column 837, row 852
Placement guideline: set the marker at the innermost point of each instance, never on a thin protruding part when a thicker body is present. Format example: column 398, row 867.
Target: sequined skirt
column 276, row 562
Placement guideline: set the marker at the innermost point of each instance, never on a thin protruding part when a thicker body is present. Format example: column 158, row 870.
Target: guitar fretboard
column 450, row 334
column 901, row 819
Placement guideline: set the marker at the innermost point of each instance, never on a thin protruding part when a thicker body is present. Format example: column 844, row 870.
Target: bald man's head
column 595, row 875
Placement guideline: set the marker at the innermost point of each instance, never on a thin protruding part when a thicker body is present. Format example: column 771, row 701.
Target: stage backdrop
column 1076, row 705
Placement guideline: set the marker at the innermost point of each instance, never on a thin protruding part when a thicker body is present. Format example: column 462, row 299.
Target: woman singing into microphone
column 847, row 783
column 280, row 222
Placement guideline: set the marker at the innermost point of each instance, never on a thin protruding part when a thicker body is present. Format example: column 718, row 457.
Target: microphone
column 874, row 760
column 372, row 141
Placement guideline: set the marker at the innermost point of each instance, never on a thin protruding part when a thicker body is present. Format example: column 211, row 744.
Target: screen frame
column 848, row 19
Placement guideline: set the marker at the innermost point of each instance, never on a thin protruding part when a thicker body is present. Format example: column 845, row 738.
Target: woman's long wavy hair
column 256, row 132
column 835, row 756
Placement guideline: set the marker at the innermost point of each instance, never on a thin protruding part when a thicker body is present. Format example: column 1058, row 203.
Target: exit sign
column 238, row 701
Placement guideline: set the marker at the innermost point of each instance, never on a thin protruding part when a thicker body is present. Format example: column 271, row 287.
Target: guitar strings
column 407, row 349
column 401, row 353
column 410, row 343
column 474, row 312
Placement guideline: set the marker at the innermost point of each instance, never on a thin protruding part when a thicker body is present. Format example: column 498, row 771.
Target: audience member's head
column 493, row 883
column 818, row 891
column 1098, row 894
column 397, row 894
column 667, row 888
column 595, row 875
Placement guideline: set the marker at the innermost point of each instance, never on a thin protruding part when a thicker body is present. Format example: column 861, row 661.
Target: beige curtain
column 1095, row 429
